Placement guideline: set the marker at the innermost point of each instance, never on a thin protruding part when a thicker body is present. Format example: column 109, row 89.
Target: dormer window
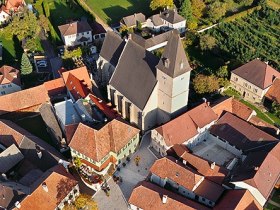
column 166, row 62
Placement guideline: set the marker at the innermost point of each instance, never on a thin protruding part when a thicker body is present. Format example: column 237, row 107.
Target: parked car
column 42, row 65
column 41, row 62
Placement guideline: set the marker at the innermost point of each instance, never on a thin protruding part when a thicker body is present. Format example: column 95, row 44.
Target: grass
column 232, row 92
column 36, row 126
column 273, row 117
column 111, row 11
column 270, row 206
column 276, row 196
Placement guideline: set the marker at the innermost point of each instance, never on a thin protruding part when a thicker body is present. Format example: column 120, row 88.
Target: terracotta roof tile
column 13, row 4
column 274, row 91
column 257, row 73
column 69, row 131
column 153, row 199
column 55, row 86
column 23, row 99
column 112, row 137
column 74, row 28
column 8, row 75
column 233, row 106
column 178, row 173
column 266, row 127
column 59, row 184
column 209, row 190
column 238, row 200
column 240, row 133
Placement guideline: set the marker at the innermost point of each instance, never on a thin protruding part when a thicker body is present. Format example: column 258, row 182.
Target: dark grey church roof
column 174, row 61
column 112, row 47
column 135, row 74
column 171, row 16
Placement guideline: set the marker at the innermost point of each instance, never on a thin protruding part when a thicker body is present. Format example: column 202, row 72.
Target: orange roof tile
column 8, row 75
column 59, row 184
column 112, row 137
column 209, row 190
column 274, row 91
column 77, row 88
column 233, row 106
column 238, row 200
column 55, row 86
column 152, row 199
column 14, row 4
column 23, row 99
column 185, row 177
column 81, row 74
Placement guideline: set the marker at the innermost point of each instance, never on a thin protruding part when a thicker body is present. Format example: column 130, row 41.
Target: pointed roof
column 174, row 61
column 8, row 75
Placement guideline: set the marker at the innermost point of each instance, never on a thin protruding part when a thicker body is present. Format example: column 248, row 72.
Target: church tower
column 173, row 75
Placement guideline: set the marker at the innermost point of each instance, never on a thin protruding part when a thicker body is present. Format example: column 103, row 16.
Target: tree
column 222, row 72
column 26, row 67
column 77, row 161
column 44, row 22
column 217, row 10
column 207, row 42
column 276, row 108
column 85, row 200
column 198, row 6
column 186, row 11
column 161, row 4
column 205, row 84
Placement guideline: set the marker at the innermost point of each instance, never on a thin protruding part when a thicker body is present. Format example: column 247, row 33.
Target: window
column 9, row 85
column 235, row 79
column 245, row 84
column 255, row 90
column 3, row 92
column 182, row 78
column 203, row 199
column 4, row 86
column 88, row 32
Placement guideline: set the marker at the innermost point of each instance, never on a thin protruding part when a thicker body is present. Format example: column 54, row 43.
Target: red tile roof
column 257, row 73
column 233, row 106
column 238, row 200
column 112, row 137
column 209, row 190
column 202, row 115
column 59, row 184
column 274, row 91
column 266, row 127
column 69, row 131
column 55, row 87
column 152, row 199
column 176, row 172
column 8, row 75
column 240, row 133
column 13, row 4
column 203, row 167
column 23, row 99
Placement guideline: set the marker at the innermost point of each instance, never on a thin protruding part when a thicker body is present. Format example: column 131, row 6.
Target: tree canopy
column 207, row 42
column 198, row 6
column 26, row 67
column 205, row 84
column 160, row 4
column 217, row 10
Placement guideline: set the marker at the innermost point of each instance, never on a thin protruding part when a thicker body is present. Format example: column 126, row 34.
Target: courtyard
column 211, row 151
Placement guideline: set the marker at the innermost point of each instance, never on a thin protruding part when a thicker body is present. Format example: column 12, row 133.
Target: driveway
column 131, row 176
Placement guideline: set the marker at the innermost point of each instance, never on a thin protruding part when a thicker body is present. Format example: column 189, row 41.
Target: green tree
column 44, row 22
column 207, row 42
column 26, row 67
column 276, row 108
column 160, row 4
column 205, row 84
column 186, row 11
column 77, row 161
column 217, row 10
column 198, row 7
column 222, row 72
column 85, row 200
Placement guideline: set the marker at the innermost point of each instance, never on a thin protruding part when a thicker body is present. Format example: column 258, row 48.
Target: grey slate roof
column 174, row 61
column 135, row 74
column 131, row 20
column 112, row 47
column 157, row 21
column 171, row 16
column 11, row 196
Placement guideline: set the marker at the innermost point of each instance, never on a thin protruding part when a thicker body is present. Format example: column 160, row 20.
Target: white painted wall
column 4, row 17
column 72, row 40
column 9, row 88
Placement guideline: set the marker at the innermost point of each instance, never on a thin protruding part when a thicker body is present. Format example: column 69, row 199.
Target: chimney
column 278, row 131
column 213, row 165
column 166, row 62
column 164, row 199
column 208, row 103
column 17, row 205
column 256, row 168
column 4, row 176
column 83, row 116
column 39, row 152
column 45, row 187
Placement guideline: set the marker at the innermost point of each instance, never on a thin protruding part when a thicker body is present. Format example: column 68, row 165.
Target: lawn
column 36, row 126
column 276, row 196
column 111, row 11
column 270, row 206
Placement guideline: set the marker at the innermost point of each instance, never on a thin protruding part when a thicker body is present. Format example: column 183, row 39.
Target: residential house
column 163, row 84
column 56, row 88
column 9, row 80
column 55, row 189
column 167, row 20
column 166, row 173
column 253, row 80
column 9, row 8
column 150, row 196
column 4, row 16
column 98, row 31
column 238, row 200
column 107, row 146
column 109, row 56
column 76, row 33
column 188, row 129
column 273, row 94
column 134, row 20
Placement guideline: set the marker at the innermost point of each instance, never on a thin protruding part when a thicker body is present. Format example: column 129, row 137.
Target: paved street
column 131, row 175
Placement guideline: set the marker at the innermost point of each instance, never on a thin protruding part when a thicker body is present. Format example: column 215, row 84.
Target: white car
column 41, row 62
column 42, row 65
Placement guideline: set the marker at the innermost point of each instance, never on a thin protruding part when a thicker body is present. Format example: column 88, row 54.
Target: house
column 259, row 172
column 28, row 100
column 208, row 169
column 76, row 33
column 9, row 8
column 166, row 173
column 9, row 80
column 98, row 31
column 189, row 129
column 4, row 16
column 54, row 190
column 109, row 56
column 132, row 21
column 156, row 198
column 163, row 84
column 56, row 88
column 167, row 20
column 109, row 145
column 273, row 94
column 253, row 80
column 238, row 200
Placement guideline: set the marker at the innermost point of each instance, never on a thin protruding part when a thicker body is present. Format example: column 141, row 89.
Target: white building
column 76, row 33
column 9, row 80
